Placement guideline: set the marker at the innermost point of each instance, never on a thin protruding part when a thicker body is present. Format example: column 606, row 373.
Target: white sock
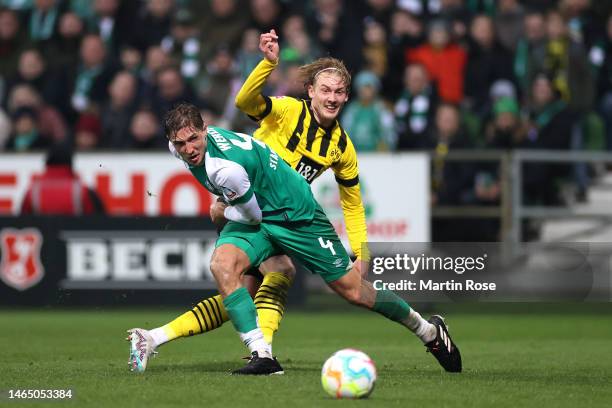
column 254, row 340
column 159, row 336
column 419, row 326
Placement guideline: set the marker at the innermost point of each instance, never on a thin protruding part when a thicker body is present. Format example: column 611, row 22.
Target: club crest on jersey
column 335, row 154
column 20, row 266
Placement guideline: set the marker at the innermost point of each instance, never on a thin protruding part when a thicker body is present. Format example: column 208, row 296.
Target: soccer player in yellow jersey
column 307, row 135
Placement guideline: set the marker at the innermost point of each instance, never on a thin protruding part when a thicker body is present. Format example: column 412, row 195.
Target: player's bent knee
column 227, row 265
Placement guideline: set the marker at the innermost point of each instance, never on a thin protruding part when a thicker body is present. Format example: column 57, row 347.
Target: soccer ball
column 348, row 373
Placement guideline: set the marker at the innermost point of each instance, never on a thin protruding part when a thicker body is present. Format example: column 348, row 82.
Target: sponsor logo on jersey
column 229, row 193
column 20, row 266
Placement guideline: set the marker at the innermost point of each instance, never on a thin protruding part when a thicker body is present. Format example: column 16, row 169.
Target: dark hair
column 59, row 154
column 181, row 116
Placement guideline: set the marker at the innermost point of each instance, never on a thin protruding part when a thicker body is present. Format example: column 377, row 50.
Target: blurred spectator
column 266, row 14
column 64, row 49
column 113, row 21
column 583, row 25
column 338, row 30
column 153, row 23
column 529, row 50
column 293, row 86
column 58, row 190
column 505, row 130
column 444, row 60
column 375, row 48
column 509, row 23
column 550, row 122
column 33, row 70
column 414, row 110
column 457, row 15
column 49, row 120
column 218, row 83
column 145, row 131
column 367, row 120
column 565, row 61
column 452, row 182
column 550, row 127
column 487, row 62
column 12, row 42
column 298, row 47
column 155, row 60
column 26, row 133
column 171, row 89
column 220, row 21
column 117, row 111
column 130, row 59
column 406, row 32
column 42, row 20
column 248, row 56
column 380, row 11
column 5, row 128
column 87, row 132
column 601, row 59
column 183, row 44
column 87, row 83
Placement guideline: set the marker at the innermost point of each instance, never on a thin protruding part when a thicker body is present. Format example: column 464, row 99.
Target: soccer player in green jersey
column 271, row 211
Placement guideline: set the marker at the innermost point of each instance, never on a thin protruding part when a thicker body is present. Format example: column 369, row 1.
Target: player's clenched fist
column 217, row 212
column 268, row 44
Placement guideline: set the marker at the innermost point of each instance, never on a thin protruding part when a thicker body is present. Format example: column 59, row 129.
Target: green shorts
column 314, row 244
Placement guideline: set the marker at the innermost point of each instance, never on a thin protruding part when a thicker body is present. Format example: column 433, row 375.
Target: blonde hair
column 309, row 73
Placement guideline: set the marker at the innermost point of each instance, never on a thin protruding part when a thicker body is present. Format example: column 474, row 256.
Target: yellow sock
column 270, row 302
column 205, row 316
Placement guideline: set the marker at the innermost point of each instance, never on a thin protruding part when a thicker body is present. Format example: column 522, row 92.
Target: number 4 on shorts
column 328, row 245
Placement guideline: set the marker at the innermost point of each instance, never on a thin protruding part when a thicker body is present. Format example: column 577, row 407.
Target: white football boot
column 141, row 348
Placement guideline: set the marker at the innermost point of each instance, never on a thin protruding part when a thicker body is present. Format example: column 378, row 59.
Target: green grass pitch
column 510, row 360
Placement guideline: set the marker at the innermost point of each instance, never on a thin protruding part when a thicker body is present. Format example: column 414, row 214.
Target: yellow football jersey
column 288, row 127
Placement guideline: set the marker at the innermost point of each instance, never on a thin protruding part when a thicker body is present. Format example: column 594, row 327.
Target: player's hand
column 217, row 212
column 268, row 45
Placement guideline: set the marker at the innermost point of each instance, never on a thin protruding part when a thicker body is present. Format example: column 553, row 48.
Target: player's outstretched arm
column 354, row 218
column 347, row 176
column 249, row 98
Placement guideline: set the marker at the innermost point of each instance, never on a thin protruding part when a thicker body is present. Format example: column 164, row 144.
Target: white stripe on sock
column 254, row 340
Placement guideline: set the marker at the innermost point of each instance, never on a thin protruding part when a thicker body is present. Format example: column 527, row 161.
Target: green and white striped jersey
column 238, row 167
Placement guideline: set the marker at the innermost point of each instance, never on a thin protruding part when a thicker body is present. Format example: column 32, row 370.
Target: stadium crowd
column 427, row 74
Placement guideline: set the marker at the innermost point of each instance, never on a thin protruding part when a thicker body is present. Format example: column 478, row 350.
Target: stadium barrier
column 108, row 261
column 511, row 209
